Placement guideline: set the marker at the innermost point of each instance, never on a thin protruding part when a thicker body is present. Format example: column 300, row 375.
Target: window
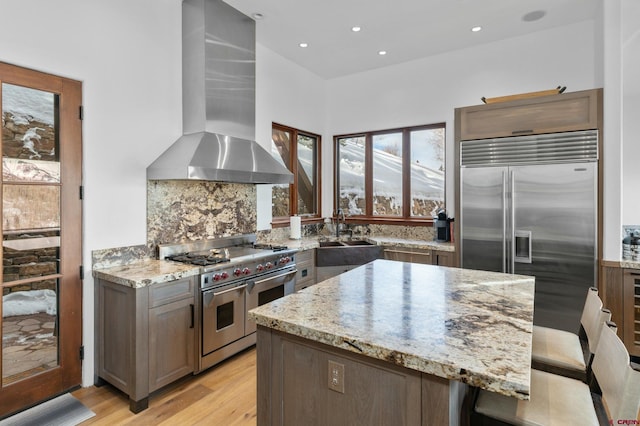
column 298, row 151
column 391, row 175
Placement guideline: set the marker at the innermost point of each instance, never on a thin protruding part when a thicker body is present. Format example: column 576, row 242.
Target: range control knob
column 284, row 260
column 269, row 265
column 260, row 267
column 237, row 272
column 246, row 271
column 217, row 277
column 224, row 275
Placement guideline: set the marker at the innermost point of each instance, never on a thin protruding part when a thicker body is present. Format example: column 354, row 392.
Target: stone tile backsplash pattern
column 196, row 210
column 190, row 211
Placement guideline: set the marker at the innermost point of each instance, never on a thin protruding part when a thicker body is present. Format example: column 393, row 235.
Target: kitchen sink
column 330, row 244
column 351, row 252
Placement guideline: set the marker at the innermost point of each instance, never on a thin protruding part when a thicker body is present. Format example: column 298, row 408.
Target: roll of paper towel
column 294, row 223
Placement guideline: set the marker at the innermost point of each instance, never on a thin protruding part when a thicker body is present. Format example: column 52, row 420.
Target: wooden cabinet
column 547, row 114
column 444, row 258
column 326, row 272
column 408, row 254
column 425, row 256
column 305, row 382
column 145, row 336
column 631, row 311
column 306, row 264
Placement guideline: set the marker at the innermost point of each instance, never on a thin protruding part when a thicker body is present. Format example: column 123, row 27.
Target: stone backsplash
column 190, row 211
column 422, row 233
column 195, row 210
column 187, row 211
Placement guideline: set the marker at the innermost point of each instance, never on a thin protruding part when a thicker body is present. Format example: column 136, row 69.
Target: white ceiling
column 406, row 29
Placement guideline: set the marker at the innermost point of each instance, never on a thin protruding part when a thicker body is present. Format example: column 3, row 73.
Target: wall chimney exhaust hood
column 218, row 102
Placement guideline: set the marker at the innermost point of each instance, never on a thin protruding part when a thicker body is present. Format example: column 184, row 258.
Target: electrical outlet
column 336, row 376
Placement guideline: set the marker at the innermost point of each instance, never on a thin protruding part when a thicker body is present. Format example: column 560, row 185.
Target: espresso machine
column 441, row 227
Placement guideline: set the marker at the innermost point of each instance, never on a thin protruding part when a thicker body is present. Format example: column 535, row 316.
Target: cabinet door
column 409, row 255
column 306, row 276
column 171, row 342
column 444, row 258
column 547, row 114
column 632, row 311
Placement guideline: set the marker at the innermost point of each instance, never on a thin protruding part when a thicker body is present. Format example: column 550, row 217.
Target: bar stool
column 557, row 400
column 565, row 353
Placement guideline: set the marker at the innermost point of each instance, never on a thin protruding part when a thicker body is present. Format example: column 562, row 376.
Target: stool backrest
column 592, row 318
column 619, row 382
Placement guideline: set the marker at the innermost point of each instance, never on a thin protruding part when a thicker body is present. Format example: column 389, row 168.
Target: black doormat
column 64, row 410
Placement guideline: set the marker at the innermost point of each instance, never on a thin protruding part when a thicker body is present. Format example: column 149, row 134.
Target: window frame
column 369, row 217
column 282, row 221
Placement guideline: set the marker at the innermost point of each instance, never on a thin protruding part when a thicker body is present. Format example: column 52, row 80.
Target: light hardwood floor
column 223, row 395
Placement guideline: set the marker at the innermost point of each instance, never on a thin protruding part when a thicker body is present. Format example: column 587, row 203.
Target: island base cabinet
column 304, row 382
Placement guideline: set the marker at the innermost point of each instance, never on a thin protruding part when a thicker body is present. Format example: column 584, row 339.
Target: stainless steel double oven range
column 236, row 276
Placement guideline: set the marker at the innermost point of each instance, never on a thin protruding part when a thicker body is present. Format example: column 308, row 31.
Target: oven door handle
column 210, row 295
column 252, row 284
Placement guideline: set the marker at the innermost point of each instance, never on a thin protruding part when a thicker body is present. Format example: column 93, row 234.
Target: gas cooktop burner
column 198, row 259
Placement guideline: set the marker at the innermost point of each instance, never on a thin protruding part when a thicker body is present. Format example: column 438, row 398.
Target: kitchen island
column 393, row 343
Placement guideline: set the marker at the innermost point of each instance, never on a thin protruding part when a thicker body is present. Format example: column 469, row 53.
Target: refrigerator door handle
column 522, row 246
column 504, row 222
column 512, row 222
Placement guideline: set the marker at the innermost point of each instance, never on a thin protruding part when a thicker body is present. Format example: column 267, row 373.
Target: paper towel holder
column 295, row 226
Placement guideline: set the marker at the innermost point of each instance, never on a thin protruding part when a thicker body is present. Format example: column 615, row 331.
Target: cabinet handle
column 521, row 132
column 192, row 315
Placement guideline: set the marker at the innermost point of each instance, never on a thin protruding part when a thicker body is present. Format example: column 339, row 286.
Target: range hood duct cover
column 218, row 102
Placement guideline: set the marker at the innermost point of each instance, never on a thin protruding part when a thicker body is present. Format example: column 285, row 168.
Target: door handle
column 286, row 274
column 240, row 287
column 192, row 307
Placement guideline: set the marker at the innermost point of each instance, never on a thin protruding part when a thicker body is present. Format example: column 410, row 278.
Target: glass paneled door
column 41, row 218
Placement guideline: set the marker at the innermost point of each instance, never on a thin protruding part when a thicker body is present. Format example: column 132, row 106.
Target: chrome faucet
column 339, row 231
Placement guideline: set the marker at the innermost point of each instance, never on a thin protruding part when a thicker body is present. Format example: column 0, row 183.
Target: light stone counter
column 463, row 325
column 312, row 242
column 630, row 264
column 407, row 243
column 145, row 273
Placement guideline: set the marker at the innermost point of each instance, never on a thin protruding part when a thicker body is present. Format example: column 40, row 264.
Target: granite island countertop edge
column 353, row 341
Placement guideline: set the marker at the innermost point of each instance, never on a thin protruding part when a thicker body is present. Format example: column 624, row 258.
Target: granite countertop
column 147, row 272
column 466, row 325
column 630, row 264
column 420, row 244
column 308, row 243
column 152, row 271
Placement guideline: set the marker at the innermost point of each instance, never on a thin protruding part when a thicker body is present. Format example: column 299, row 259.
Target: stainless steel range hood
column 218, row 102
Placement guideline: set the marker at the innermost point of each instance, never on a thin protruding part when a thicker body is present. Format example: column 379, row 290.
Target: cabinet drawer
column 548, row 114
column 305, row 256
column 160, row 294
column 409, row 255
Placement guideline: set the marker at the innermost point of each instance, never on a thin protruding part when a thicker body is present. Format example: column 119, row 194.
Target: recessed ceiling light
column 534, row 16
column 303, row 45
column 382, row 52
column 355, row 29
column 257, row 16
column 476, row 29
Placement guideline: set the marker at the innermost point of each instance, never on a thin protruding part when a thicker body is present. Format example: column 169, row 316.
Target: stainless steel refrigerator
column 529, row 206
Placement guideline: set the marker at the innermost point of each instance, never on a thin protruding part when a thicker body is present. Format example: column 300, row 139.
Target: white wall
column 290, row 95
column 128, row 56
column 631, row 112
column 612, row 150
column 427, row 90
